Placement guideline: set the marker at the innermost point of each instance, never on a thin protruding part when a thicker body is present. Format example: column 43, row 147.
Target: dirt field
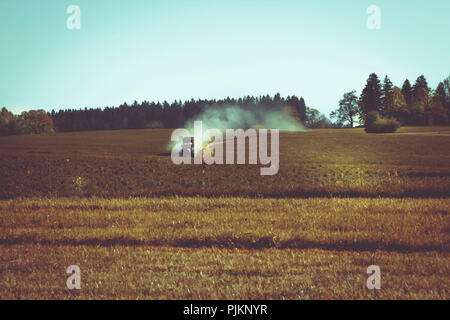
column 316, row 163
column 140, row 227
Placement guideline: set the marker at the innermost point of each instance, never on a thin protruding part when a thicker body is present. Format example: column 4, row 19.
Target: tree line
column 150, row 115
column 381, row 107
column 383, row 104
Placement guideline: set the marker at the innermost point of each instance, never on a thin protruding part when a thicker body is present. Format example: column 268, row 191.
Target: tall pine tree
column 440, row 92
column 301, row 108
column 387, row 92
column 443, row 92
column 370, row 99
column 421, row 83
column 407, row 92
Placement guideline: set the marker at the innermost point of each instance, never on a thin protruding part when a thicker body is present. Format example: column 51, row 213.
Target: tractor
column 188, row 145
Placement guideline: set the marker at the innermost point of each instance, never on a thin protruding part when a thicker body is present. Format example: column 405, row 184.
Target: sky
column 158, row 50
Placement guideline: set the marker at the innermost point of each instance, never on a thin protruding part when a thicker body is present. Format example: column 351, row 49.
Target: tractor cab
column 188, row 145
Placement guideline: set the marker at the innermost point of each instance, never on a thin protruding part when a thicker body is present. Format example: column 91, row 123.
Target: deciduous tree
column 436, row 113
column 348, row 109
column 34, row 121
column 6, row 122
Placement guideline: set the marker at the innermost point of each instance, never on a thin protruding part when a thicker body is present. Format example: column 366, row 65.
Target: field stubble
column 225, row 248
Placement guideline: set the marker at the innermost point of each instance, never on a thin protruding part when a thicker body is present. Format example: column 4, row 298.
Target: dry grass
column 352, row 224
column 233, row 248
column 120, row 272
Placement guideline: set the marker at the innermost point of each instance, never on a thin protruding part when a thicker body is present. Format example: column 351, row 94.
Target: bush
column 376, row 124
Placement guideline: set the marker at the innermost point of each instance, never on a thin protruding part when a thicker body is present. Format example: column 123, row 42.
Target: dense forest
column 381, row 107
column 391, row 106
column 147, row 115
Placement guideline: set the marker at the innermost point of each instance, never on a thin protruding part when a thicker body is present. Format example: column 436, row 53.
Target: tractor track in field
column 232, row 243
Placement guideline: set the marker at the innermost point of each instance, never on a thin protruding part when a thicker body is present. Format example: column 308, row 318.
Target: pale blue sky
column 173, row 49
